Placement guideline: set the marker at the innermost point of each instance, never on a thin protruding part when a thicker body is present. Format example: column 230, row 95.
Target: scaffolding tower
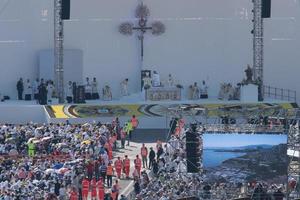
column 58, row 50
column 258, row 46
column 258, row 41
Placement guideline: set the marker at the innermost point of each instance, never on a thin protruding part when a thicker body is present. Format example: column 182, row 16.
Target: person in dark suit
column 20, row 89
column 151, row 157
column 43, row 94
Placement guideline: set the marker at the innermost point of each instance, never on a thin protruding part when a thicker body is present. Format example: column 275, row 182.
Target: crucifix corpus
column 142, row 13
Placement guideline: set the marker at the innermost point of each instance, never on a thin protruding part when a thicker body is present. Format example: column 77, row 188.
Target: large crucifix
column 142, row 13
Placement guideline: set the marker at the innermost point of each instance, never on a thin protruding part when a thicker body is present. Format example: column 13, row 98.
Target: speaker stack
column 66, row 7
column 193, row 150
column 266, row 9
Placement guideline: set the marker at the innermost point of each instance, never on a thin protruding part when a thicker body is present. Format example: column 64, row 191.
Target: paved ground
column 149, row 137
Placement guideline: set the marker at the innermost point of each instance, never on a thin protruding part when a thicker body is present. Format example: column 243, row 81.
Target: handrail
column 280, row 93
column 244, row 128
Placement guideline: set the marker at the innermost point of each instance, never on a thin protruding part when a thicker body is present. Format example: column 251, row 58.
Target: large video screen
column 241, row 158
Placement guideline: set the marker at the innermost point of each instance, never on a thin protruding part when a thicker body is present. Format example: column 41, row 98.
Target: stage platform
column 151, row 114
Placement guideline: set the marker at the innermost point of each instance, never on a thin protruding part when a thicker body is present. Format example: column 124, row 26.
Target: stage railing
column 280, row 94
column 245, row 128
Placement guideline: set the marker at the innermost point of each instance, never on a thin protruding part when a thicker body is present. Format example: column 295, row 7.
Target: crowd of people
column 64, row 161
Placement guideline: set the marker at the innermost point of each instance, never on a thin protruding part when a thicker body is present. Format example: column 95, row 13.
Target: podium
column 79, row 96
column 249, row 93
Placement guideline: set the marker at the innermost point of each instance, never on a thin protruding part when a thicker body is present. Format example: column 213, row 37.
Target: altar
column 163, row 93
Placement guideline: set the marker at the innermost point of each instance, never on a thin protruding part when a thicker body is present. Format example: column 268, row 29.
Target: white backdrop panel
column 204, row 39
column 73, row 65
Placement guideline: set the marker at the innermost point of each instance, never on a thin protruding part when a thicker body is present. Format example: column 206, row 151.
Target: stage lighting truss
column 258, row 41
column 58, row 49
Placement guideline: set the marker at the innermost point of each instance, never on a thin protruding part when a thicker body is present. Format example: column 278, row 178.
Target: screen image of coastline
column 240, row 158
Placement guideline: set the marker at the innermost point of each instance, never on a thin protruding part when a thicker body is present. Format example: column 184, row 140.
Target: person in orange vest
column 73, row 195
column 85, row 188
column 177, row 130
column 108, row 146
column 109, row 174
column 115, row 190
column 134, row 121
column 138, row 164
column 144, row 154
column 94, row 188
column 100, row 189
column 126, row 164
column 118, row 167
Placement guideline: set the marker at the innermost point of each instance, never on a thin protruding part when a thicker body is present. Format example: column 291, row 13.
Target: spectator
column 20, row 89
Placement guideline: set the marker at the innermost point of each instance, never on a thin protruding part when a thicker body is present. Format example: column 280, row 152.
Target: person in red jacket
column 73, row 195
column 90, row 170
column 118, row 167
column 94, row 188
column 126, row 164
column 85, row 188
column 138, row 164
column 100, row 189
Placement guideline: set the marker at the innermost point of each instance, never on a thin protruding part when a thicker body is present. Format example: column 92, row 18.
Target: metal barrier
column 244, row 128
column 280, row 94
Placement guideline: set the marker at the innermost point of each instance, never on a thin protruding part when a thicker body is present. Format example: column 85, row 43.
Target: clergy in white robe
column 124, row 87
column 28, row 90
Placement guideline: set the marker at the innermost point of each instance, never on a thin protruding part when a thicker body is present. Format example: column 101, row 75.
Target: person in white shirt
column 107, row 94
column 155, row 79
column 203, row 90
column 124, row 87
column 196, row 91
column 28, row 90
column 147, row 82
column 95, row 93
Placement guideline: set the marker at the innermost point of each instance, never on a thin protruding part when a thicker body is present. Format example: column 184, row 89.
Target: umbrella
column 49, row 171
column 46, row 138
column 61, row 145
column 62, row 170
column 31, row 139
column 58, row 166
column 85, row 142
